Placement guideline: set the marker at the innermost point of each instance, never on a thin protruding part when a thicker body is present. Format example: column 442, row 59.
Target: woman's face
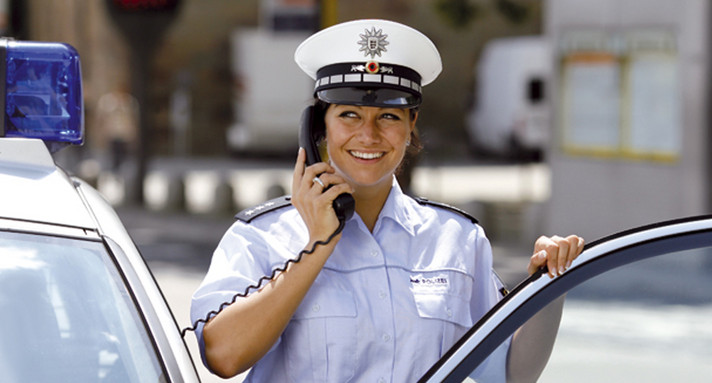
column 366, row 144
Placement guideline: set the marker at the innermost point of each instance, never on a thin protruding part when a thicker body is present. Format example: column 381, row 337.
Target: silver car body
column 39, row 198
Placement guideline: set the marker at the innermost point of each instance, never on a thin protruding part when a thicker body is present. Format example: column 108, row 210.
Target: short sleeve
column 246, row 254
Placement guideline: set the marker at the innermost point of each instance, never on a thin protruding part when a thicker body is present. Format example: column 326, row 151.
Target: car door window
column 648, row 321
column 637, row 308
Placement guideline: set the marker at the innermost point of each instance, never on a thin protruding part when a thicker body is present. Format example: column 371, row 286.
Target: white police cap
column 369, row 62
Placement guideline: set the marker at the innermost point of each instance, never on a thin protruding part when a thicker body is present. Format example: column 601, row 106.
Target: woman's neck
column 369, row 203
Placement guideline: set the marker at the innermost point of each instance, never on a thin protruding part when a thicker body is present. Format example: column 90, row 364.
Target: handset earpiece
column 311, row 131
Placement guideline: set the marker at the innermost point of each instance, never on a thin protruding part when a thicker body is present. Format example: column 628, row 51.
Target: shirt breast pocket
column 321, row 338
column 441, row 300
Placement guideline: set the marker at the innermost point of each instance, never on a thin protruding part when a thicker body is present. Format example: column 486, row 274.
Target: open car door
column 638, row 308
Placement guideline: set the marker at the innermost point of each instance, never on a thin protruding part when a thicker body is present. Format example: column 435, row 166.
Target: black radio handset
column 310, row 133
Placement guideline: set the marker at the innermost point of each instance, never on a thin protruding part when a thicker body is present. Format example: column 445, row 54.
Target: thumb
column 537, row 261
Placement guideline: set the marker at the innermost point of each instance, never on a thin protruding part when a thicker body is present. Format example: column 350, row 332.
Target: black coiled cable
column 265, row 278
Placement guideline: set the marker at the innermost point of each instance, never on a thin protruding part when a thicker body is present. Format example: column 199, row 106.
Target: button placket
column 383, row 321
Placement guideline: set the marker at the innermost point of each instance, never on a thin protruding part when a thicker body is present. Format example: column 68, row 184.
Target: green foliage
column 461, row 13
column 456, row 13
column 512, row 11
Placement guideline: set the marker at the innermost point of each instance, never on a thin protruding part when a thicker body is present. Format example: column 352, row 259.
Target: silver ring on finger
column 316, row 180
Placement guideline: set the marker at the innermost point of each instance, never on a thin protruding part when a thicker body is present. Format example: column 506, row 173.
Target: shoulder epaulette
column 425, row 201
column 248, row 215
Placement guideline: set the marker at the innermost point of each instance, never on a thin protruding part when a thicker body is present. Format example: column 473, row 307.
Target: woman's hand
column 556, row 253
column 315, row 205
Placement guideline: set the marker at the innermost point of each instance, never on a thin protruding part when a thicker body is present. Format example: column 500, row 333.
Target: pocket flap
column 444, row 307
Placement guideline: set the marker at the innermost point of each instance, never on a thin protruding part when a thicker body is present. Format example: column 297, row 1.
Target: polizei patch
column 421, row 283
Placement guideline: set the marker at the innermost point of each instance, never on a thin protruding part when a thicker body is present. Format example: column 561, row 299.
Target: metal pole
column 329, row 13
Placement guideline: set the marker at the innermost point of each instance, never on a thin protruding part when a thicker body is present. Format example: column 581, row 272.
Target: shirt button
column 382, row 294
column 316, row 308
column 381, row 380
column 374, row 253
column 386, row 337
column 449, row 313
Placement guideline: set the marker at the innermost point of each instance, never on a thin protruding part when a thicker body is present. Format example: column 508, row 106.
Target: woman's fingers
column 298, row 168
column 556, row 253
column 314, row 188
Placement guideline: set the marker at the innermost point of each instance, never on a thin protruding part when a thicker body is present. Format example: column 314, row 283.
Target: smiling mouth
column 366, row 156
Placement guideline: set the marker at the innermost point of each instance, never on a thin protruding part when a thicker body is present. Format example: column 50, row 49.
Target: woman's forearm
column 532, row 344
column 245, row 331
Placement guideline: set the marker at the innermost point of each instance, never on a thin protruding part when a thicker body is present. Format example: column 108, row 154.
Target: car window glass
column 65, row 315
column 648, row 321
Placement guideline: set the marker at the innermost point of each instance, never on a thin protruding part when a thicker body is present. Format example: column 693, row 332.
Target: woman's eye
column 390, row 116
column 348, row 114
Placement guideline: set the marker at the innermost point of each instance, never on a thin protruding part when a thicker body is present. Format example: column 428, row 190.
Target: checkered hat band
column 368, row 74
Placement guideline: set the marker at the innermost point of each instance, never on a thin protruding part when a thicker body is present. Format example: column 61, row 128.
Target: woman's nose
column 368, row 131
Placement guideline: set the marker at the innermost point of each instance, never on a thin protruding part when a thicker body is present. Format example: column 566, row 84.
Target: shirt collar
column 399, row 209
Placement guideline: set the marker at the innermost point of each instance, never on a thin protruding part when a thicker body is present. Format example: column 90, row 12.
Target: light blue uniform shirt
column 384, row 308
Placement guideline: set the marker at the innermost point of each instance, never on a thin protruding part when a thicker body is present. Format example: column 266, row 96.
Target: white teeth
column 366, row 156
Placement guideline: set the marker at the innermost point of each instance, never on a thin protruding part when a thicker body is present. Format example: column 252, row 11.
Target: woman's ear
column 413, row 118
column 323, row 151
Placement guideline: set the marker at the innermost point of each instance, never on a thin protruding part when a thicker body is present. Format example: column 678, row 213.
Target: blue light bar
column 43, row 92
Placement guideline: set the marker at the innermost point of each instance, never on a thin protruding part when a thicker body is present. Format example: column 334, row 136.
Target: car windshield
column 66, row 315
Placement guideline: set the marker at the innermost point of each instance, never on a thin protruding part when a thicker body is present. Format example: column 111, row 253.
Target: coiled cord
column 265, row 278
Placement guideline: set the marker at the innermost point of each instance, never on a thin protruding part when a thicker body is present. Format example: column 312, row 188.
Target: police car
column 77, row 301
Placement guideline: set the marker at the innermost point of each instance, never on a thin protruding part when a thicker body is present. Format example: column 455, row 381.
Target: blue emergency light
column 42, row 92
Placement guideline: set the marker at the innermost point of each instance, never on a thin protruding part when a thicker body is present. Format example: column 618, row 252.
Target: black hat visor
column 372, row 96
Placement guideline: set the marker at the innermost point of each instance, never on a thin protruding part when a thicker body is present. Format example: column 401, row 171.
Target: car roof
column 34, row 189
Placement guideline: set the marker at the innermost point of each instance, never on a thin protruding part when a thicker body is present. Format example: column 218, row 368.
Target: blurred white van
column 270, row 91
column 511, row 115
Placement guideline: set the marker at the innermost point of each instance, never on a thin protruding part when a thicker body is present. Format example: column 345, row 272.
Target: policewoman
column 383, row 296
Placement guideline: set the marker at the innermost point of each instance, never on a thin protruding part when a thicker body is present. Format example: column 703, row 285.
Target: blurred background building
column 632, row 113
column 195, row 52
column 609, row 96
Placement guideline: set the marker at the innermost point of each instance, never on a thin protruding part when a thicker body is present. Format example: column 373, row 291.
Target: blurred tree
column 456, row 13
column 514, row 12
column 460, row 13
